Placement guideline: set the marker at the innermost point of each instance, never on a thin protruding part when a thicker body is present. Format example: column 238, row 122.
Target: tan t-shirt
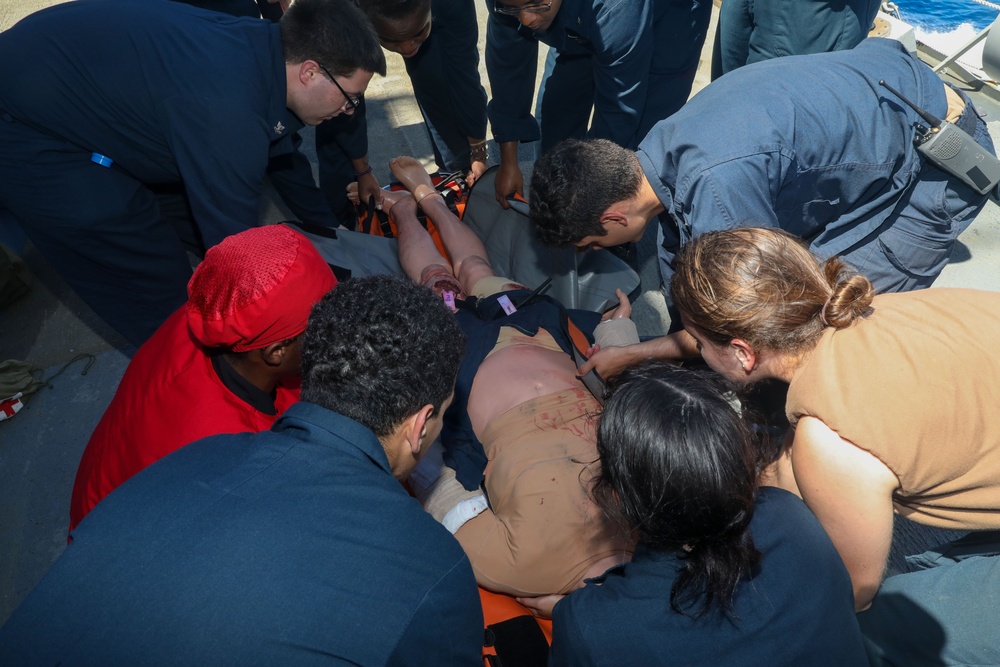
column 917, row 384
column 544, row 532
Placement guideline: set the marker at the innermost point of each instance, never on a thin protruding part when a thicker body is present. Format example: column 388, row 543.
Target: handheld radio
column 953, row 150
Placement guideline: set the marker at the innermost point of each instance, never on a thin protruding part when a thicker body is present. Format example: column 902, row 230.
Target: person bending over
column 719, row 572
column 295, row 546
column 438, row 43
column 437, row 40
column 527, row 437
column 834, row 163
column 613, row 70
column 893, row 402
column 112, row 102
column 226, row 362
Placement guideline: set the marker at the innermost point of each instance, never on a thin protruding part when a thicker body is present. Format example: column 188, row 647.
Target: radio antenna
column 926, row 115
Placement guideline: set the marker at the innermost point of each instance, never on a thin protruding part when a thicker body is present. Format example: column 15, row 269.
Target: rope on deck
column 986, row 3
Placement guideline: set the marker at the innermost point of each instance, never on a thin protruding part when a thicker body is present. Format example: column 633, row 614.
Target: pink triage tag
column 505, row 303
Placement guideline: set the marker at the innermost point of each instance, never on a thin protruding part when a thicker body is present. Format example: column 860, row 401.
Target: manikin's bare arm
column 611, row 361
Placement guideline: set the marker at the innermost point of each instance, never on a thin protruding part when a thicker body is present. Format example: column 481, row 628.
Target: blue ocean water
column 945, row 16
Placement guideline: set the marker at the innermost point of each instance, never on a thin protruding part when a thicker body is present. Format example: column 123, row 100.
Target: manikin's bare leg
column 417, row 252
column 468, row 254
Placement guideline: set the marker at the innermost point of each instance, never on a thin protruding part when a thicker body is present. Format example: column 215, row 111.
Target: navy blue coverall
column 445, row 78
column 631, row 61
column 814, row 145
column 338, row 141
column 754, row 30
column 295, row 546
column 170, row 94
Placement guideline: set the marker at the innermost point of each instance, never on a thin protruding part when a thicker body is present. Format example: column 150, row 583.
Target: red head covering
column 256, row 288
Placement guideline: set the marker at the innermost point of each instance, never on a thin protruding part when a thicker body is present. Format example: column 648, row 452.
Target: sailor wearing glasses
column 104, row 105
column 630, row 61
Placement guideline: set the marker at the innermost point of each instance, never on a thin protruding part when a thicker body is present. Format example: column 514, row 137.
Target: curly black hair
column 334, row 33
column 377, row 349
column 574, row 183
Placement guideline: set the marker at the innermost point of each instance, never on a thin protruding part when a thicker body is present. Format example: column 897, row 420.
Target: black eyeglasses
column 508, row 10
column 353, row 101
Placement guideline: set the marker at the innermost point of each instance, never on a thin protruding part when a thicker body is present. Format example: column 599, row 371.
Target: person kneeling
column 227, row 361
column 725, row 573
column 295, row 546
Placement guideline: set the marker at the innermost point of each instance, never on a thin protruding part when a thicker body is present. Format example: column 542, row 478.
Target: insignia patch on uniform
column 279, row 128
